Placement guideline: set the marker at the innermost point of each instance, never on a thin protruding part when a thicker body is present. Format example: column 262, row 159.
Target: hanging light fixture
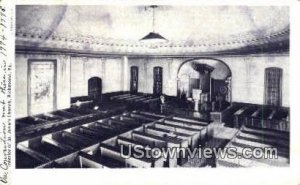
column 153, row 37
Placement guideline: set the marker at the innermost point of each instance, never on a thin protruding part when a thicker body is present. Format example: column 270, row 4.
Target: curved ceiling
column 220, row 26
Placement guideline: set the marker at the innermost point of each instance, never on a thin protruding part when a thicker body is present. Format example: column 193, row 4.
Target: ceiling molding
column 36, row 42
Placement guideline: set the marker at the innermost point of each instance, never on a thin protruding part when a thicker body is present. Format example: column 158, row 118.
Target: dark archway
column 219, row 79
column 134, row 79
column 95, row 88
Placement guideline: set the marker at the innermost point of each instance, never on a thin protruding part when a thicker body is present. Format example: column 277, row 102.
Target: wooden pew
column 264, row 139
column 122, row 99
column 185, row 138
column 267, row 132
column 89, row 133
column 64, row 114
column 48, row 117
column 162, row 142
column 150, row 104
column 138, row 119
column 226, row 115
column 129, row 120
column 68, row 161
column 183, row 123
column 21, row 125
column 242, row 116
column 33, row 158
column 144, row 98
column 89, row 161
column 149, row 139
column 51, row 150
column 125, row 124
column 130, row 142
column 157, row 162
column 193, row 133
column 109, row 125
column 279, row 120
column 61, row 146
column 259, row 117
column 136, row 98
column 28, row 121
column 258, row 138
column 202, row 129
column 79, row 111
column 119, row 96
column 191, row 120
column 24, row 160
column 150, row 114
column 103, row 129
column 93, row 153
column 139, row 103
column 167, row 133
column 144, row 117
column 75, row 141
column 115, row 153
column 51, row 164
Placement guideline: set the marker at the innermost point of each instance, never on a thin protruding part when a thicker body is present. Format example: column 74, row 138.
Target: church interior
column 92, row 78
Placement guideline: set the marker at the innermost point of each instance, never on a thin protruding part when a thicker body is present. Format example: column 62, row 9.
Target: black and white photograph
column 154, row 86
column 149, row 92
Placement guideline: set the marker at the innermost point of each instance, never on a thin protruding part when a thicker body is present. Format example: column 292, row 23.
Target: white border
column 224, row 176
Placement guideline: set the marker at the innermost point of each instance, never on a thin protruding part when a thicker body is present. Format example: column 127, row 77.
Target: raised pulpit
column 196, row 95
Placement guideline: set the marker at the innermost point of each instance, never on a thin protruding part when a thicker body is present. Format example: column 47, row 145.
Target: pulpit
column 196, row 95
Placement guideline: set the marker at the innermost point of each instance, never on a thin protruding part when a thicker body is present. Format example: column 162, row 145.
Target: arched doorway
column 134, row 79
column 211, row 77
column 95, row 88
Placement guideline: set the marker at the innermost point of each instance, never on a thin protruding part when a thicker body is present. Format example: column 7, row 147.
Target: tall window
column 157, row 80
column 273, row 81
column 134, row 76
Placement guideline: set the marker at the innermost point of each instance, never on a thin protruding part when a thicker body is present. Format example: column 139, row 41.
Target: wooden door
column 95, row 87
column 134, row 77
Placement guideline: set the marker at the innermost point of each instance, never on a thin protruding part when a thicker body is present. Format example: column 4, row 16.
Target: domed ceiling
column 119, row 28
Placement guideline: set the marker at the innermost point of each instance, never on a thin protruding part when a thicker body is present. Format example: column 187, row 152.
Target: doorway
column 95, row 88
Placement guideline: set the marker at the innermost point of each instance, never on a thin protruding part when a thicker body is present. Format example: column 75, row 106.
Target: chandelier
column 153, row 37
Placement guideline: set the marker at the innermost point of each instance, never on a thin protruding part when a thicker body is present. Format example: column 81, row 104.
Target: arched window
column 157, row 80
column 134, row 76
column 273, row 85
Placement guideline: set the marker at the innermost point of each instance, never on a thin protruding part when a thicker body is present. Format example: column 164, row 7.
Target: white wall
column 74, row 72
column 247, row 75
column 63, row 81
column 110, row 70
column 170, row 67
